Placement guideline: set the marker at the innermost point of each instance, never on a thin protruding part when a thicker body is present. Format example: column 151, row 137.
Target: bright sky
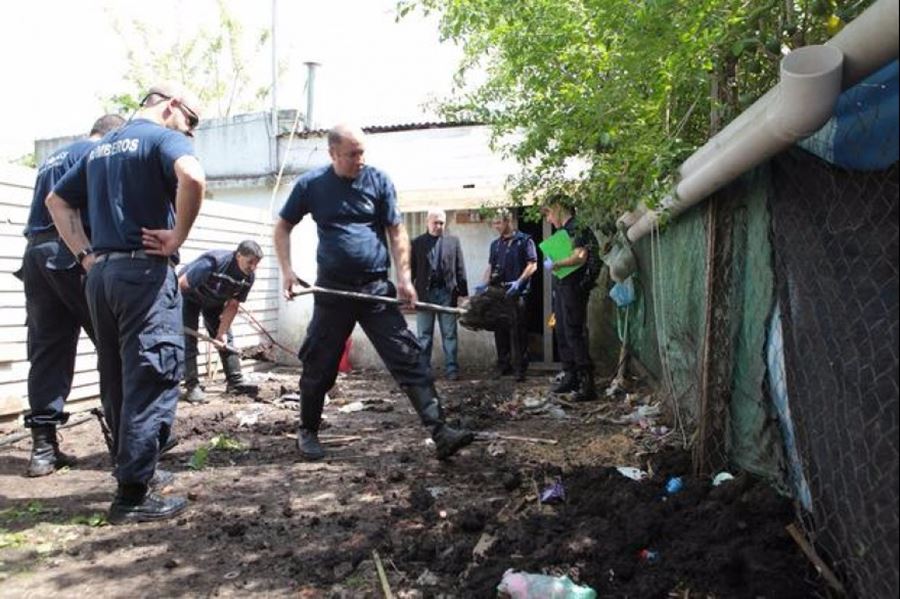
column 61, row 57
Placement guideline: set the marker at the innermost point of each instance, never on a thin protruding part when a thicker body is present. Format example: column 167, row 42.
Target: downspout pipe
column 869, row 42
column 803, row 101
column 866, row 44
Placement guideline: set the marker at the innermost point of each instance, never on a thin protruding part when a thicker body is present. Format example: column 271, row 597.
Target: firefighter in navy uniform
column 214, row 285
column 55, row 307
column 142, row 187
column 355, row 209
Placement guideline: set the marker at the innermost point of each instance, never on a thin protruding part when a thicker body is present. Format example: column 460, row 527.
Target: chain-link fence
column 835, row 234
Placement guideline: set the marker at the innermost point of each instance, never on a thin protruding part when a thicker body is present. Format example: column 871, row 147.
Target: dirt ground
column 261, row 521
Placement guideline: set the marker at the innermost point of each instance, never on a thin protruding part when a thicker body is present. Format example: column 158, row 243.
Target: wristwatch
column 87, row 251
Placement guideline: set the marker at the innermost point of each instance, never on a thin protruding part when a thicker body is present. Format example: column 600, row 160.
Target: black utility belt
column 49, row 235
column 131, row 255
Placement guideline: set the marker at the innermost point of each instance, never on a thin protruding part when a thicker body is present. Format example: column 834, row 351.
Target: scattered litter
column 496, row 450
column 436, row 491
column 534, row 403
column 290, row 397
column 722, row 477
column 674, row 485
column 648, row 555
column 247, row 418
column 632, row 473
column 232, row 575
column 554, row 493
column 427, row 579
column 642, row 414
column 356, row 406
column 521, row 585
column 483, row 545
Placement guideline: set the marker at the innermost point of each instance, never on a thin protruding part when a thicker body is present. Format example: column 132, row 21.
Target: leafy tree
column 214, row 63
column 626, row 88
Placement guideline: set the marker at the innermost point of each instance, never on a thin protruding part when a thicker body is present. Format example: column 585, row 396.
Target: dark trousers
column 136, row 309
column 212, row 316
column 512, row 342
column 56, row 311
column 332, row 322
column 570, row 306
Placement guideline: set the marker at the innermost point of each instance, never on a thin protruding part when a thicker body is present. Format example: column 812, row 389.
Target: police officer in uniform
column 512, row 260
column 215, row 284
column 355, row 210
column 55, row 307
column 570, row 300
column 142, row 188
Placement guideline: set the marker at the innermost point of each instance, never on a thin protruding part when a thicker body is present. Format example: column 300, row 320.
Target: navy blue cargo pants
column 136, row 309
column 212, row 316
column 570, row 306
column 512, row 342
column 56, row 312
column 332, row 322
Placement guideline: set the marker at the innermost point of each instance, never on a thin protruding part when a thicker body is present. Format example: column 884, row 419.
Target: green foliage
column 94, row 520
column 11, row 539
column 214, row 63
column 620, row 91
column 27, row 160
column 220, row 443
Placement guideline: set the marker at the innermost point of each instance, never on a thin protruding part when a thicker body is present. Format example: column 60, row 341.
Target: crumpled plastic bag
column 623, row 293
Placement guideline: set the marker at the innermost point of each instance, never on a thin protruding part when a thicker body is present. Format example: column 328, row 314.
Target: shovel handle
column 368, row 297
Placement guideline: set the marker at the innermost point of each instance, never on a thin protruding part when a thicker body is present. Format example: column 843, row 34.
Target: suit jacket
column 453, row 267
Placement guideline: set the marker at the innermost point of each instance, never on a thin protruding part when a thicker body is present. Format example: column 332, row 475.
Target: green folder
column 559, row 246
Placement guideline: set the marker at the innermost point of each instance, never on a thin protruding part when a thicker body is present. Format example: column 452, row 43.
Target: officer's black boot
column 139, row 503
column 447, row 440
column 45, row 454
column 308, row 431
column 234, row 378
column 567, row 383
column 585, row 390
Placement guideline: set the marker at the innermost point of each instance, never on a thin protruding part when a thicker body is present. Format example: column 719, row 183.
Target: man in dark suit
column 439, row 275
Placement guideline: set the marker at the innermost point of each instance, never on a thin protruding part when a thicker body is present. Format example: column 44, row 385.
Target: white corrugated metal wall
column 219, row 226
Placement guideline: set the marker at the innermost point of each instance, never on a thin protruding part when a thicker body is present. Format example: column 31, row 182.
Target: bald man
column 355, row 210
column 142, row 187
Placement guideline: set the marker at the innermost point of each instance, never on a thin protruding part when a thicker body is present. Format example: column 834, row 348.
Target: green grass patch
column 218, row 443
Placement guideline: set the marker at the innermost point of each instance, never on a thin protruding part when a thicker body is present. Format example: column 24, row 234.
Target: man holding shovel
column 355, row 210
column 215, row 284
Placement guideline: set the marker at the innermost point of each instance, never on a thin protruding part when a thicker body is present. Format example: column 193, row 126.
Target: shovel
column 256, row 352
column 307, row 289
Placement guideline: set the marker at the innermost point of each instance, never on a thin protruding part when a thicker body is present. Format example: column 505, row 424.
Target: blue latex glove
column 514, row 288
column 548, row 263
column 480, row 288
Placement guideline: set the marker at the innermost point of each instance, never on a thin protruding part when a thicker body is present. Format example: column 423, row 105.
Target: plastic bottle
column 674, row 485
column 521, row 585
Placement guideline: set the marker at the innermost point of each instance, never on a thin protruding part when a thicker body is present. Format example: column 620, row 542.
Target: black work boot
column 585, row 390
column 567, row 383
column 235, row 383
column 447, row 440
column 308, row 444
column 139, row 503
column 46, row 457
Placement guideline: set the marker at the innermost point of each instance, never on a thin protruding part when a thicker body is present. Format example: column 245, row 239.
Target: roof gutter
column 812, row 78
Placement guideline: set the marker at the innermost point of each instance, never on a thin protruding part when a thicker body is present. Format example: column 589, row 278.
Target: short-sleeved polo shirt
column 214, row 278
column 49, row 173
column 125, row 182
column 351, row 216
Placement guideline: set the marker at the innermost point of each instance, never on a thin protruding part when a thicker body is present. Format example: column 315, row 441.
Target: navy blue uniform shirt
column 350, row 215
column 582, row 237
column 51, row 171
column 508, row 257
column 127, row 181
column 214, row 278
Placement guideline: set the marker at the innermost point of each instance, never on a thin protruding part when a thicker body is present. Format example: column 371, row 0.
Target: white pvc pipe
column 789, row 112
column 802, row 102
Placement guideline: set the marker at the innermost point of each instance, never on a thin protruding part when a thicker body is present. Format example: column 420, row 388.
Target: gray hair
column 437, row 213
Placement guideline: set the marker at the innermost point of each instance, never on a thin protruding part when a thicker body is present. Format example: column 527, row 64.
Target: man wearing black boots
column 215, row 285
column 142, row 187
column 355, row 210
column 570, row 299
column 55, row 306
